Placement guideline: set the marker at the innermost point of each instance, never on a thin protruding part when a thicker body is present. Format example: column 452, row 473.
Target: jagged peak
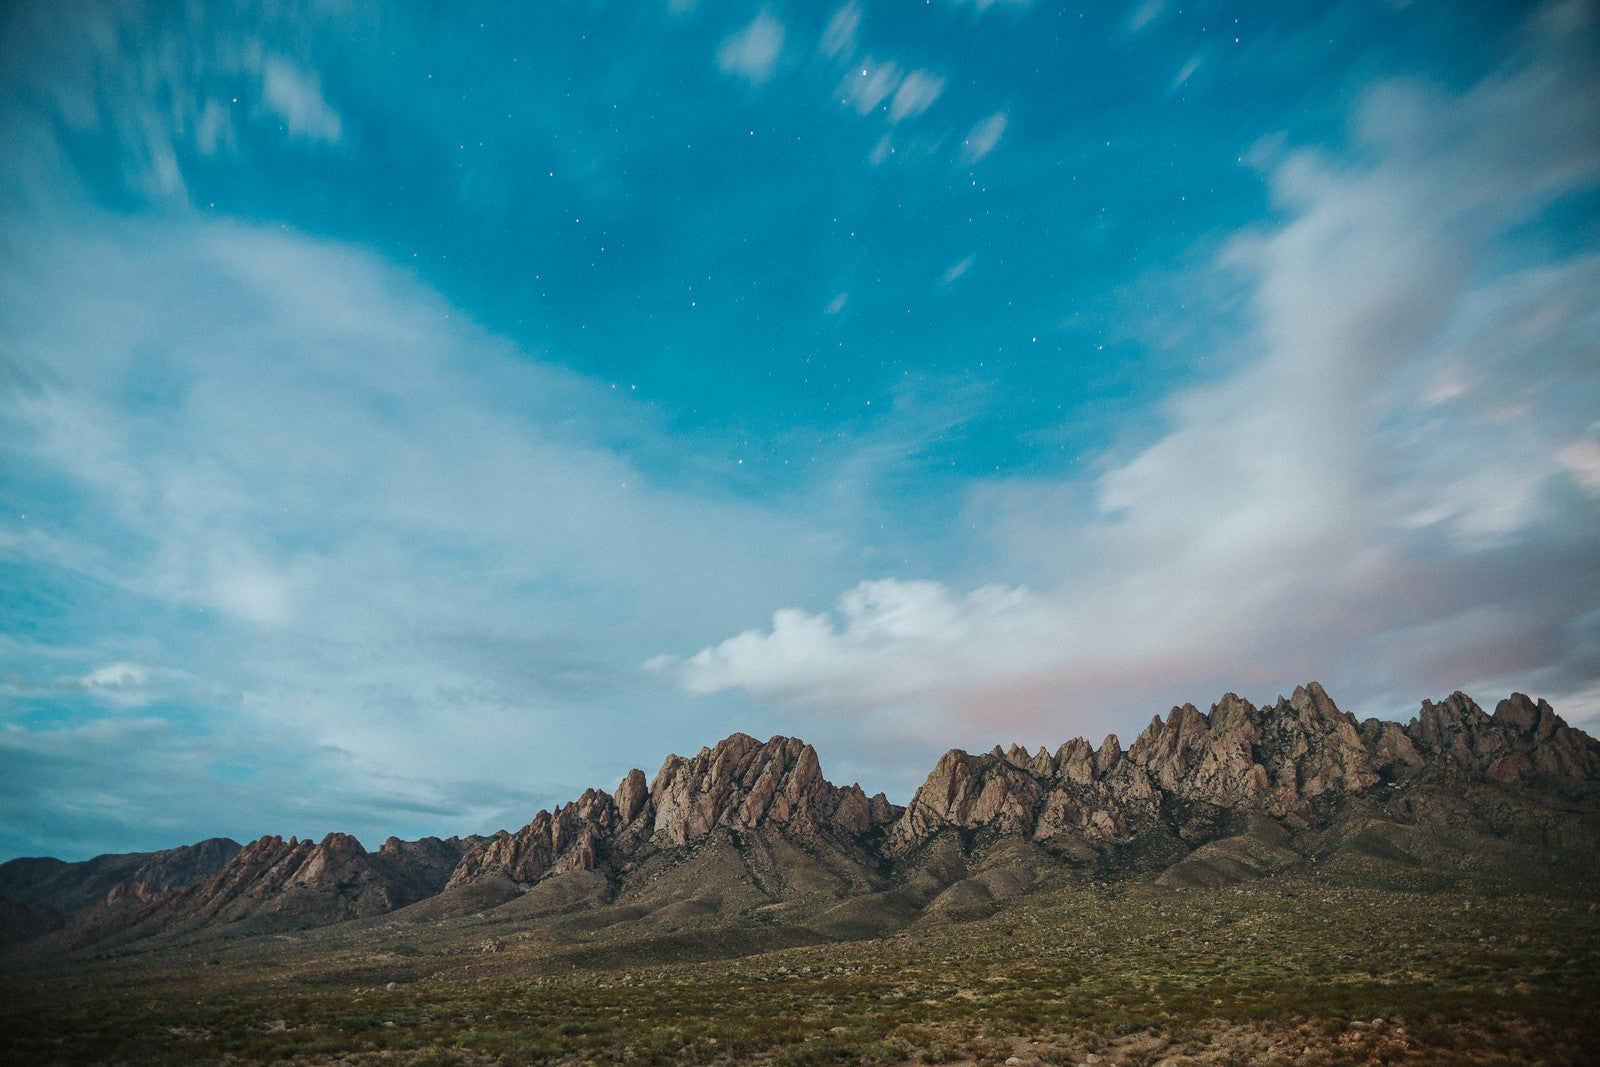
column 1311, row 700
column 1291, row 760
column 1522, row 738
column 1520, row 712
column 1109, row 752
column 741, row 782
column 342, row 843
column 632, row 796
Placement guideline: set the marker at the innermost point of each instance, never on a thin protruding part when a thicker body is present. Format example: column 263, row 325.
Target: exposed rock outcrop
column 298, row 883
column 67, row 887
column 134, row 893
column 745, row 825
column 1523, row 738
column 570, row 838
column 740, row 784
column 326, row 881
column 1289, row 761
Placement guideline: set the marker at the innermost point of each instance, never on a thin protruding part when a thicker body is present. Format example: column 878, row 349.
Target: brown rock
column 633, row 795
column 741, row 783
column 1522, row 738
column 968, row 791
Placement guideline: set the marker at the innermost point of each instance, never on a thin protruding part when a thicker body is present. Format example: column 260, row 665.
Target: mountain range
column 749, row 836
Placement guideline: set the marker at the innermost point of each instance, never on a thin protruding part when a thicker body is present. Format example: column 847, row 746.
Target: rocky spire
column 570, row 838
column 739, row 784
column 1522, row 738
column 1293, row 760
column 1290, row 760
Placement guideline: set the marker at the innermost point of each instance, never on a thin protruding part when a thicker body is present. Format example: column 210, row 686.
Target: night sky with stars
column 414, row 414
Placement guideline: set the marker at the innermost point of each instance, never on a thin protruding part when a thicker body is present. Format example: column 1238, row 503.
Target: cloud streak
column 1323, row 503
column 296, row 97
column 982, row 138
column 916, row 94
column 752, row 53
column 369, row 531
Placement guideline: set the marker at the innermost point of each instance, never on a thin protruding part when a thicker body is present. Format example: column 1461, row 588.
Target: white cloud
column 1298, row 515
column 916, row 94
column 957, row 269
column 982, row 138
column 296, row 97
column 984, row 5
column 753, row 52
column 888, row 642
column 1145, row 14
column 839, row 39
column 396, row 534
column 1184, row 74
column 869, row 84
column 117, row 676
column 1582, row 460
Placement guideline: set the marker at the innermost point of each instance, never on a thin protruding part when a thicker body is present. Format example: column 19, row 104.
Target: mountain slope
column 67, row 887
column 749, row 838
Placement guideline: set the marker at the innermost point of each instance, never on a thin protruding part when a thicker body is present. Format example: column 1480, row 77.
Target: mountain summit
column 751, row 833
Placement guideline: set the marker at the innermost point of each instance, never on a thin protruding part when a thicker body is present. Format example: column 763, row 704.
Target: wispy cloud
column 873, row 85
column 115, row 785
column 295, row 96
column 915, row 95
column 1185, row 72
column 1313, row 511
column 982, row 138
column 1582, row 461
column 1145, row 14
column 115, row 685
column 364, row 526
column 753, row 52
column 163, row 86
column 958, row 268
column 984, row 5
column 869, row 84
column 839, row 38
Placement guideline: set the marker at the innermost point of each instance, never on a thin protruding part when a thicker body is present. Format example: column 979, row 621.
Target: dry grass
column 1291, row 970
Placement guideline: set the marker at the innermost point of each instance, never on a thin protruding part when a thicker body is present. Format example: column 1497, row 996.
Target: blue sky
column 413, row 415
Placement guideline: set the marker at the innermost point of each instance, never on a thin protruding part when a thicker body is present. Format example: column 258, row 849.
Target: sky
column 412, row 415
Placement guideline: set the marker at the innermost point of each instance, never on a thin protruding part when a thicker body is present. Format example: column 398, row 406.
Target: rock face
column 68, row 887
column 740, row 784
column 567, row 839
column 1521, row 739
column 272, row 875
column 134, row 893
column 1289, row 761
column 304, row 883
column 748, row 825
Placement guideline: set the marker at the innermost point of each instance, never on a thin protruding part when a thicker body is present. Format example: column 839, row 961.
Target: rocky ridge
column 1286, row 761
column 740, row 784
column 1522, row 739
column 1290, row 762
column 762, row 815
column 278, row 884
column 66, row 887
